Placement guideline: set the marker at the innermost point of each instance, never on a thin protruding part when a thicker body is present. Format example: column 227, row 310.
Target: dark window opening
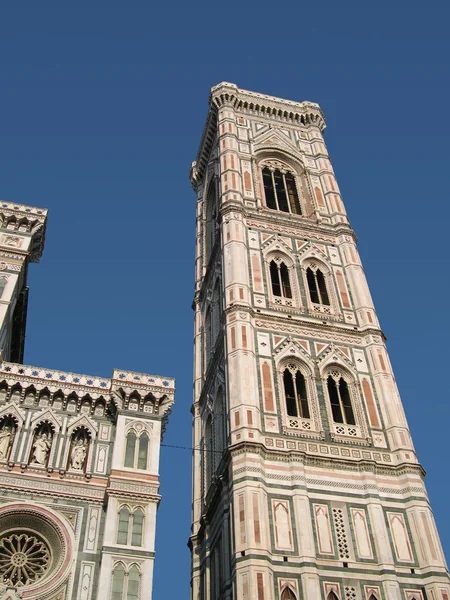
column 279, row 276
column 341, row 406
column 280, row 191
column 295, row 394
column 317, row 287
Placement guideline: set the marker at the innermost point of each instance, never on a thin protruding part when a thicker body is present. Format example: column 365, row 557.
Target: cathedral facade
column 306, row 484
column 79, row 457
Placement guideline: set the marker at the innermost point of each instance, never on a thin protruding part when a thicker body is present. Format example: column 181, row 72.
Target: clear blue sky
column 102, row 106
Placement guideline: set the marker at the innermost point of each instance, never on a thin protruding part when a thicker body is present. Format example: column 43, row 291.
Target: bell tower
column 306, row 485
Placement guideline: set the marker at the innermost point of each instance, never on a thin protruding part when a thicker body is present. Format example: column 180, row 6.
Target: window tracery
column 130, row 528
column 344, row 405
column 300, row 412
column 136, row 450
column 211, row 219
column 280, row 189
column 341, row 405
column 279, row 275
column 319, row 287
column 281, row 279
column 24, row 558
column 126, row 583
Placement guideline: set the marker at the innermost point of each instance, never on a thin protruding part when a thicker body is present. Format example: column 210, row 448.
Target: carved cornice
column 335, row 462
column 262, row 105
column 244, row 102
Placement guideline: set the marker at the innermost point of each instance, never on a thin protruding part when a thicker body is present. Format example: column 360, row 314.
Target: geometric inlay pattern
column 340, row 533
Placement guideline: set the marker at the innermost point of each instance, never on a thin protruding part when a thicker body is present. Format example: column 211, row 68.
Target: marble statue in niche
column 42, row 445
column 6, row 435
column 79, row 450
column 78, row 455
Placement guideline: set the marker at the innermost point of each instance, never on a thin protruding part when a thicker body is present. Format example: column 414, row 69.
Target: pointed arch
column 210, row 218
column 134, row 583
column 373, row 597
column 130, row 448
column 42, row 443
column 142, row 458
column 8, row 430
column 340, row 399
column 208, row 334
column 208, row 452
column 219, row 427
column 332, row 596
column 118, row 581
column 295, row 394
column 123, row 525
column 80, row 440
column 137, row 527
column 288, row 594
column 216, row 310
column 16, row 393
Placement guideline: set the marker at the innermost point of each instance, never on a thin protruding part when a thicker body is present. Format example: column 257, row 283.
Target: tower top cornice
column 253, row 104
column 307, row 113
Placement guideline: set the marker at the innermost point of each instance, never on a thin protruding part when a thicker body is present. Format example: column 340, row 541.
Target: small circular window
column 24, row 558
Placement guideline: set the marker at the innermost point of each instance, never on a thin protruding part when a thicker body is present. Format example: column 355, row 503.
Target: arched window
column 372, row 597
column 288, row 594
column 216, row 312
column 208, row 335
column 211, row 218
column 295, row 393
column 341, row 405
column 143, row 452
column 123, row 526
column 137, row 529
column 279, row 275
column 118, row 582
column 280, row 191
column 136, row 451
column 219, row 429
column 332, row 596
column 130, row 527
column 208, row 454
column 317, row 286
column 130, row 449
column 3, row 283
column 134, row 584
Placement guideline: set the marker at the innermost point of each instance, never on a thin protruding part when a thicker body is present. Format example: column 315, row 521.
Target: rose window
column 24, row 558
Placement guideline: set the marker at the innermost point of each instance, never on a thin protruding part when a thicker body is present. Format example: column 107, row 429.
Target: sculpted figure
column 41, row 448
column 78, row 455
column 5, row 440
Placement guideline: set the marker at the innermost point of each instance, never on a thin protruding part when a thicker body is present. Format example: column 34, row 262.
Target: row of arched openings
column 297, row 401
column 32, row 397
column 130, row 527
column 42, row 443
column 281, row 283
column 288, row 594
column 136, row 450
column 215, row 437
column 126, row 583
